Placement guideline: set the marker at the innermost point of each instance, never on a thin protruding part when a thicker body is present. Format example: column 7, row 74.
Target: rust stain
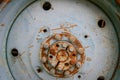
column 65, row 28
column 2, row 25
column 118, row 2
column 37, row 38
column 89, row 71
column 30, row 54
column 118, row 15
column 4, row 3
column 22, row 53
column 30, row 46
column 88, row 59
column 87, row 47
column 1, row 1
column 66, row 56
column 118, row 67
column 7, row 1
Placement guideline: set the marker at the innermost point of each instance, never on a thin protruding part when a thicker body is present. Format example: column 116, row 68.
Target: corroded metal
column 59, row 54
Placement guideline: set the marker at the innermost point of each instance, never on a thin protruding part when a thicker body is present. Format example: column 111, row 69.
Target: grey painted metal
column 101, row 46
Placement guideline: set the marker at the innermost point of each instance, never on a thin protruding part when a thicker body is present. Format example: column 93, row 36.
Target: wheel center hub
column 62, row 55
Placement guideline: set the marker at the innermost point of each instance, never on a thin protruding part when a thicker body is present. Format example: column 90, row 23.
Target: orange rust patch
column 88, row 59
column 62, row 54
column 30, row 46
column 65, row 28
column 2, row 25
column 118, row 2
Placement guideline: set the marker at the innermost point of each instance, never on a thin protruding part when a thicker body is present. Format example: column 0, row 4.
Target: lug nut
column 52, row 70
column 67, row 73
column 44, row 59
column 65, row 45
column 81, row 50
column 71, row 49
column 57, row 37
column 78, row 64
column 72, row 39
column 46, row 45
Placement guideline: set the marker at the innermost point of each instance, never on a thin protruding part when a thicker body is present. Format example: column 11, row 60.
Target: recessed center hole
column 46, row 6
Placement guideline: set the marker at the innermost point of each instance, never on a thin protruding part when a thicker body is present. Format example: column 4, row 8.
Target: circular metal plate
column 77, row 17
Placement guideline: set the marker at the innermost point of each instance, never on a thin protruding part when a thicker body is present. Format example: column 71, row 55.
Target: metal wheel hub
column 62, row 54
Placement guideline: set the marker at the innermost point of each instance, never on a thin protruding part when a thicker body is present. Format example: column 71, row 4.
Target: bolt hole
column 101, row 23
column 73, row 55
column 38, row 70
column 101, row 78
column 57, row 45
column 46, row 6
column 14, row 52
column 66, row 64
column 79, row 76
column 86, row 36
column 44, row 30
column 51, row 56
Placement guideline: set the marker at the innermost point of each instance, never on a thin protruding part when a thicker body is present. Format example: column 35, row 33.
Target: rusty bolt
column 72, row 39
column 67, row 73
column 81, row 50
column 52, row 70
column 78, row 64
column 65, row 45
column 44, row 59
column 71, row 49
column 46, row 45
column 57, row 37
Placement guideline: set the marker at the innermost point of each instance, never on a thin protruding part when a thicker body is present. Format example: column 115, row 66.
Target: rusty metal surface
column 63, row 41
column 62, row 54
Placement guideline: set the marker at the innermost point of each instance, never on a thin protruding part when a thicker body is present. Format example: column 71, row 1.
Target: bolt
column 72, row 39
column 44, row 59
column 65, row 45
column 58, row 37
column 78, row 64
column 81, row 50
column 67, row 73
column 71, row 49
column 46, row 45
column 52, row 71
